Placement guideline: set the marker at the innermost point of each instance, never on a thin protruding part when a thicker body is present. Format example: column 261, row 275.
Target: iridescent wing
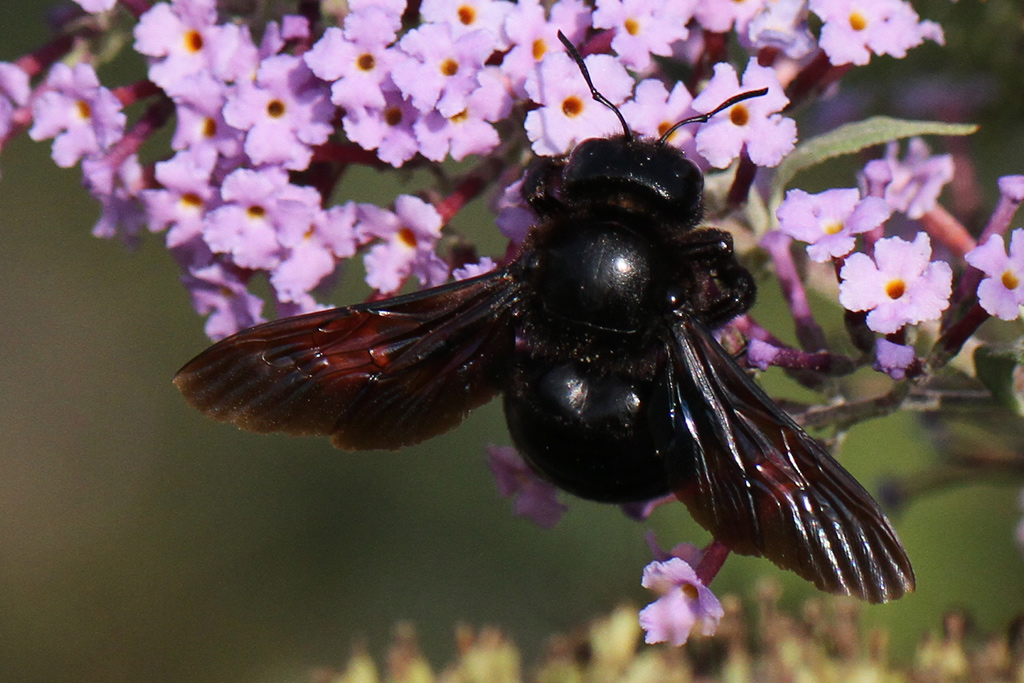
column 760, row 484
column 379, row 375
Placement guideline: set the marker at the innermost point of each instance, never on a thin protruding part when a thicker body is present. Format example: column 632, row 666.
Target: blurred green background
column 141, row 542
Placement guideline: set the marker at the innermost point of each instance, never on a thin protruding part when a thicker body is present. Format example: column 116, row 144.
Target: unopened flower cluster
column 266, row 119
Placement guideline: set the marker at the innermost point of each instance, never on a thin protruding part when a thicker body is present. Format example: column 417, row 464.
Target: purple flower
column 782, row 25
column 358, row 67
column 186, row 195
column 753, row 124
column 218, row 290
column 177, row 37
column 468, row 131
column 1001, row 292
column 234, row 57
column 761, row 354
column 1012, row 188
column 14, row 92
column 644, row 27
column 653, row 110
column 719, row 17
column 82, row 116
column 567, row 113
column 828, row 221
column 313, row 251
column 916, row 182
column 115, row 182
column 395, row 8
column 535, row 498
column 684, row 603
column 256, row 206
column 853, row 30
column 200, row 117
column 484, row 265
column 900, row 286
column 514, row 217
column 410, row 234
column 439, row 71
column 893, row 359
column 388, row 130
column 533, row 35
column 466, row 16
column 285, row 111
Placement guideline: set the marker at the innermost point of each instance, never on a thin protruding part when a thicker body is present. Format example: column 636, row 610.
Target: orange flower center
column 449, row 67
column 393, row 116
column 895, row 289
column 407, row 237
column 539, row 49
column 275, row 109
column 191, row 200
column 572, row 106
column 193, row 41
column 739, row 115
column 366, row 62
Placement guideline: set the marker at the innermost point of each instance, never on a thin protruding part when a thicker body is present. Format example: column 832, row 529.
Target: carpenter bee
column 599, row 336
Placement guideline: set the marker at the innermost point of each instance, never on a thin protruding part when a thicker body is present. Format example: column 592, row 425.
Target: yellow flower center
column 1010, row 280
column 858, row 22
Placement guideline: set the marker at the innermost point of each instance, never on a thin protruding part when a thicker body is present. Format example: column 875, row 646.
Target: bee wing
column 761, row 485
column 378, row 375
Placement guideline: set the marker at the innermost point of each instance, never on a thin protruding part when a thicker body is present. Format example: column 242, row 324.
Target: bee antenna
column 704, row 117
column 574, row 53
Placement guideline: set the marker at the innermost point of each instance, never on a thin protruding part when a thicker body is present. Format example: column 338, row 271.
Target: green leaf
column 999, row 369
column 852, row 138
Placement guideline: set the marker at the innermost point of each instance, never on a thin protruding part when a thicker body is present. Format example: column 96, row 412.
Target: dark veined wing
column 378, row 375
column 761, row 485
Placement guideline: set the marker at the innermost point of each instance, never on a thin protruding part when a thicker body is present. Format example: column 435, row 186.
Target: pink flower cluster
column 250, row 114
column 268, row 119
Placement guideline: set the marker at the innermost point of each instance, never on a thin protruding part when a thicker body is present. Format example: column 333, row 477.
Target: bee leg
column 707, row 243
column 736, row 293
column 542, row 186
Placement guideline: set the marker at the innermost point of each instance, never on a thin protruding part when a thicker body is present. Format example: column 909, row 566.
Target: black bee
column 599, row 337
